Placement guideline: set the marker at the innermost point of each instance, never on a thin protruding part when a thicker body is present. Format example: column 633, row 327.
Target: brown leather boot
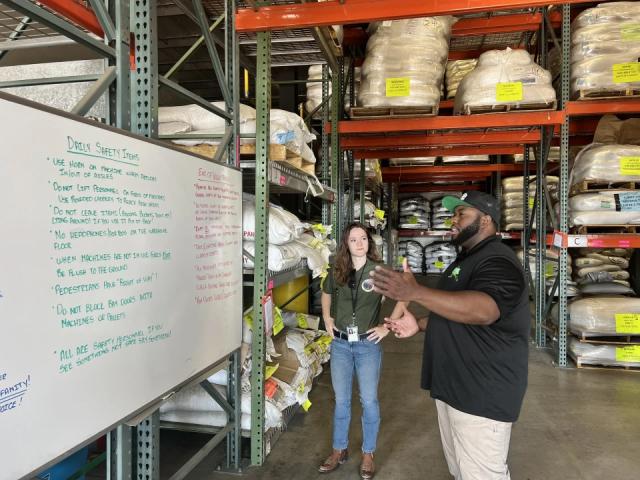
column 367, row 467
column 333, row 461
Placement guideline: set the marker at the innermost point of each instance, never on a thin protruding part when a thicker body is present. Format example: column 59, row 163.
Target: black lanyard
column 354, row 297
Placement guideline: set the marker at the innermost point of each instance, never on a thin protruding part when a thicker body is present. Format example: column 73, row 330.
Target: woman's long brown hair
column 343, row 263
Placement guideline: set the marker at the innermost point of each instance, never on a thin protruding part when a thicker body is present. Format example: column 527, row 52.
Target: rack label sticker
column 398, row 87
column 509, row 92
column 626, row 202
column 630, row 165
column 532, row 200
column 628, row 323
column 631, row 32
column 549, row 269
column 628, row 354
column 379, row 214
column 306, row 405
column 626, row 72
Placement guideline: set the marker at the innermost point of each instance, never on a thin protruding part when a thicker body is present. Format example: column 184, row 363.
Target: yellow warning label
column 548, row 269
column 306, row 405
column 413, row 220
column 532, row 200
column 626, row 72
column 628, row 354
column 379, row 214
column 439, row 264
column 631, row 32
column 269, row 370
column 398, row 87
column 628, row 323
column 630, row 165
column 278, row 325
column 509, row 92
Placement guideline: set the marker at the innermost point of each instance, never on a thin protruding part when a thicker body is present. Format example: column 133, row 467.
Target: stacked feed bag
column 373, row 217
column 605, row 48
column 415, row 213
column 513, row 200
column 602, row 354
column 607, row 164
column 456, row 70
column 372, row 170
column 440, row 216
column 550, row 269
column 404, row 62
column 611, row 207
column 464, row 159
column 603, row 271
column 554, row 155
column 413, row 252
column 504, row 77
column 314, row 88
column 438, row 257
column 604, row 315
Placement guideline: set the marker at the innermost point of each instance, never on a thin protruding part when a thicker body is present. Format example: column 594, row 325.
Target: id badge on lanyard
column 352, row 333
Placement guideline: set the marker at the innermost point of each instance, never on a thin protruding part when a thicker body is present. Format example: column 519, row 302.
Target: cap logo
column 464, row 195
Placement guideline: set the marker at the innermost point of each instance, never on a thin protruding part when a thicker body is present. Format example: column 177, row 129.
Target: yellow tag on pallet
column 630, row 165
column 509, row 92
column 398, row 87
column 631, row 32
column 306, row 405
column 628, row 323
column 438, row 264
column 628, row 354
column 379, row 214
column 302, row 320
column 626, row 72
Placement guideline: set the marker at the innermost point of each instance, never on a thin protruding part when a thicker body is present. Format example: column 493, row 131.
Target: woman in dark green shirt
column 350, row 310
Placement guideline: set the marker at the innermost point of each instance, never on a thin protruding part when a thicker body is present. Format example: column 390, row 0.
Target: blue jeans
column 365, row 358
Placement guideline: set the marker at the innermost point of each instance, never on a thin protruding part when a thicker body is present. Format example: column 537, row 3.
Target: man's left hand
column 401, row 286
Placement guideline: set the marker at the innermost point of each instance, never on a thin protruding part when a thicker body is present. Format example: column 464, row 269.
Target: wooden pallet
column 509, row 107
column 600, row 94
column 594, row 186
column 584, row 364
column 372, row 113
column 277, row 153
column 596, row 229
column 585, row 337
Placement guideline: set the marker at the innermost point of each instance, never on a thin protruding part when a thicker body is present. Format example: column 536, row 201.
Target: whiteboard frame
column 199, row 375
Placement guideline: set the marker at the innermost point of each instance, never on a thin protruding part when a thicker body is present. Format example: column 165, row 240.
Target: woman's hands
column 377, row 333
column 330, row 325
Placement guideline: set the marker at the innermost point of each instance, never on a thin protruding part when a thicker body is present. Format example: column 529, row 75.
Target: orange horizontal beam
column 420, row 187
column 510, row 138
column 440, row 151
column 604, row 240
column 423, row 177
column 603, row 107
column 300, row 15
column 523, row 22
column 77, row 13
column 453, row 169
column 492, row 120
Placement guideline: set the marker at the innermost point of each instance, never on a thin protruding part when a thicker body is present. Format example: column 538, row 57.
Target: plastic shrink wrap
column 409, row 53
column 607, row 163
column 596, row 316
column 480, row 87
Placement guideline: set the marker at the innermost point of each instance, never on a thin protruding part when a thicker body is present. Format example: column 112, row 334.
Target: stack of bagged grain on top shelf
column 456, row 70
column 404, row 62
column 513, row 200
column 286, row 128
column 290, row 240
column 415, row 213
column 504, row 79
column 605, row 50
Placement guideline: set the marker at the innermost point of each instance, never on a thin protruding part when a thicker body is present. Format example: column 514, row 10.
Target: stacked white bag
column 371, row 219
column 438, row 257
column 464, row 159
column 513, row 200
column 602, row 37
column 550, row 267
column 603, row 271
column 413, row 252
column 479, row 88
column 412, row 52
column 455, row 72
column 606, row 164
column 440, row 216
column 415, row 212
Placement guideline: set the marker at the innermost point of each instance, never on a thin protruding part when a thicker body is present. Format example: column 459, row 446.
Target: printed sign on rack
column 627, row 202
column 398, row 87
column 628, row 323
column 628, row 354
column 509, row 92
column 630, row 165
column 626, row 72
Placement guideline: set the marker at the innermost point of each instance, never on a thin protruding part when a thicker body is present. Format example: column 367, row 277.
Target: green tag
column 628, row 354
column 531, row 201
column 448, row 222
column 628, row 323
column 278, row 324
column 398, row 87
column 248, row 319
column 413, row 220
column 438, row 264
column 509, row 92
column 379, row 214
column 630, row 165
column 400, row 260
column 631, row 33
column 548, row 269
column 626, row 72
column 306, row 405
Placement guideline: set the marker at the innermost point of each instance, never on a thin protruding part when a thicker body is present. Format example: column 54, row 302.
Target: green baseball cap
column 484, row 202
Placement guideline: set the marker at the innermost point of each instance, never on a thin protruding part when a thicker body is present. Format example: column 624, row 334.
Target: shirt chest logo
column 455, row 273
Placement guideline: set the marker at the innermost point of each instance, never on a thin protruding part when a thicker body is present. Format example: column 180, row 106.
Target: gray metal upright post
column 336, row 154
column 564, row 188
column 119, row 91
column 325, row 142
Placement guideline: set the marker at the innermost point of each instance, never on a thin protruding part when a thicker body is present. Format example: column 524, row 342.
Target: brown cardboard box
column 288, row 357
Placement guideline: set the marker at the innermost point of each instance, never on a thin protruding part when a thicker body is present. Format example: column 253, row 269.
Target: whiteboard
column 120, row 278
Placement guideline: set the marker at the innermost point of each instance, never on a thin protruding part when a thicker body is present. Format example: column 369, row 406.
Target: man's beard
column 467, row 232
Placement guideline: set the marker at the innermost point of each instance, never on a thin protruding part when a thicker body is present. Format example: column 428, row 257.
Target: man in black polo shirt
column 476, row 342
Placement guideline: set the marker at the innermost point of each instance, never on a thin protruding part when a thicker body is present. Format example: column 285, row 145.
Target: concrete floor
column 575, row 425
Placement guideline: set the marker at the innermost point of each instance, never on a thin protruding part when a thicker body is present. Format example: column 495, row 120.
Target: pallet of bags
column 412, row 251
column 605, row 51
column 415, row 213
column 404, row 66
column 440, row 216
column 587, row 355
column 601, row 167
column 513, row 200
column 456, row 70
column 505, row 80
column 603, row 271
column 438, row 257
